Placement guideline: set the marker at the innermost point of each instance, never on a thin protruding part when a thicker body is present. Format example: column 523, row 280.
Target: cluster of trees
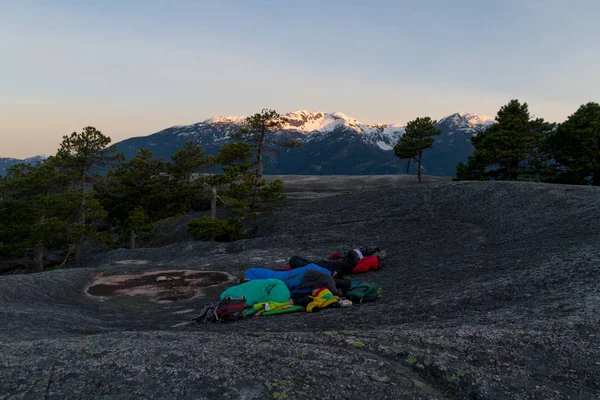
column 88, row 192
column 520, row 147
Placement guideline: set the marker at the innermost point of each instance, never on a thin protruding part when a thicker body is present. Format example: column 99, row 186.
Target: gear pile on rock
column 302, row 285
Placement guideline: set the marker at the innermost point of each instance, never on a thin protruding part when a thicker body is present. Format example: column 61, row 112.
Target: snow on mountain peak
column 225, row 120
column 311, row 124
column 465, row 120
column 343, row 116
column 308, row 121
column 319, row 121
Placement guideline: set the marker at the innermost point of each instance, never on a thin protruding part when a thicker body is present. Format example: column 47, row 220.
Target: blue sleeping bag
column 292, row 278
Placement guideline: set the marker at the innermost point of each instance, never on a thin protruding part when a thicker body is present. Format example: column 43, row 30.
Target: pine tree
column 236, row 183
column 137, row 225
column 232, row 187
column 575, row 147
column 36, row 212
column 417, row 138
column 84, row 153
column 256, row 131
column 184, row 163
column 511, row 149
column 141, row 181
column 235, row 188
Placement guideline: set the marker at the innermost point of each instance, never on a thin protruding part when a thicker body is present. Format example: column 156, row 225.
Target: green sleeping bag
column 259, row 291
column 282, row 310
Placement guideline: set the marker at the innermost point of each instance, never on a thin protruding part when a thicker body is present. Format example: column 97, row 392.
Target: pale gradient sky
column 134, row 67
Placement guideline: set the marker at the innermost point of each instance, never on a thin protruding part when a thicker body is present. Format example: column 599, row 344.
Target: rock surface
column 490, row 292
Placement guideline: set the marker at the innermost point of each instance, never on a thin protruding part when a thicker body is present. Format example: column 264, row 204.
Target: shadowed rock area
column 169, row 285
column 490, row 292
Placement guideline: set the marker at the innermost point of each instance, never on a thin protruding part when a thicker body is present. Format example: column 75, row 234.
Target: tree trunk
column 514, row 171
column 81, row 222
column 419, row 167
column 213, row 207
column 66, row 258
column 132, row 236
column 38, row 254
column 213, row 203
column 259, row 156
column 38, row 258
column 188, row 194
column 78, row 250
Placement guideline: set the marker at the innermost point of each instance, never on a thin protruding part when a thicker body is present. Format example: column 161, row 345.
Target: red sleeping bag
column 366, row 264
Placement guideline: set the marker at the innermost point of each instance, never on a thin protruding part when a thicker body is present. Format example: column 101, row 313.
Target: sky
column 135, row 67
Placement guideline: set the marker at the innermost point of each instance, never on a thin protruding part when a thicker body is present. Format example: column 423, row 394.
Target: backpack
column 228, row 309
column 352, row 257
column 364, row 292
column 369, row 251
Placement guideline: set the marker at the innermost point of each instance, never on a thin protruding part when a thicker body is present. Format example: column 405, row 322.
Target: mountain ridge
column 320, row 121
column 333, row 143
column 7, row 162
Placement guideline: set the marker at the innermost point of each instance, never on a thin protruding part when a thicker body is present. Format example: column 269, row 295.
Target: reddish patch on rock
column 172, row 285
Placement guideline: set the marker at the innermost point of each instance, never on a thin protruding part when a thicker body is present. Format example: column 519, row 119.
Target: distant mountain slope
column 334, row 143
column 6, row 163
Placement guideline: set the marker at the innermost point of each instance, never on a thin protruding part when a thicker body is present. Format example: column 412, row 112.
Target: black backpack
column 352, row 257
column 369, row 251
column 228, row 309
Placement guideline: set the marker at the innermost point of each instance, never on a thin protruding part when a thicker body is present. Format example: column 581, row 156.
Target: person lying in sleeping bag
column 260, row 294
column 356, row 261
column 338, row 268
column 291, row 278
column 300, row 281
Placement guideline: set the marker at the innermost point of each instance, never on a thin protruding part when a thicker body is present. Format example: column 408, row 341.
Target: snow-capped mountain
column 385, row 136
column 467, row 121
column 8, row 162
column 333, row 143
column 309, row 124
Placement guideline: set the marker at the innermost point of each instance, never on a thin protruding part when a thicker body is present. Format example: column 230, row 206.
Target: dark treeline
column 50, row 210
column 520, row 147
